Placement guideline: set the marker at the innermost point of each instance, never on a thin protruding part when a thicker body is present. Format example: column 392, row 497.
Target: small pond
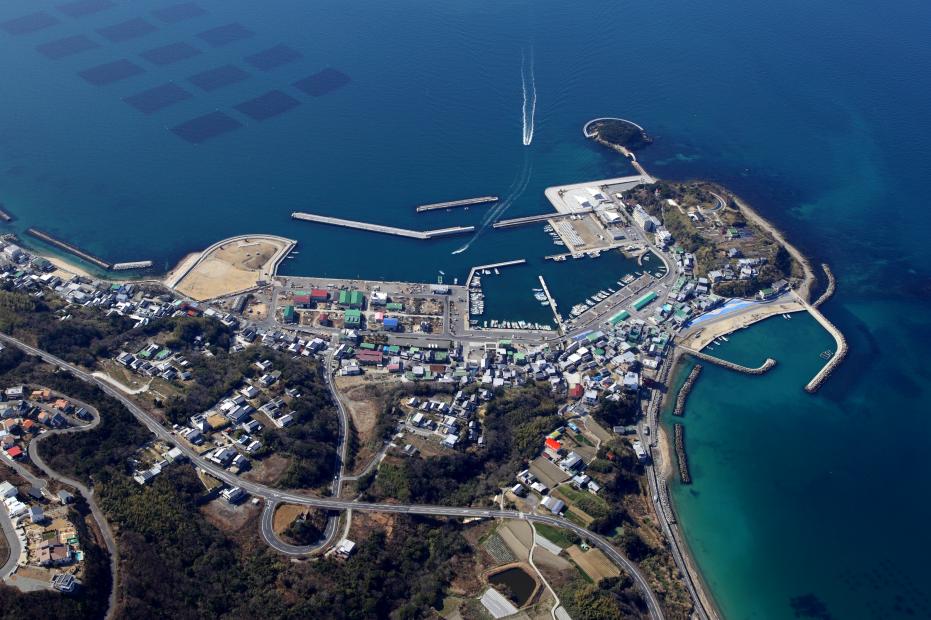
column 520, row 584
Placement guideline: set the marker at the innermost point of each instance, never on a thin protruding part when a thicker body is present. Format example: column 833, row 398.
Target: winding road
column 275, row 495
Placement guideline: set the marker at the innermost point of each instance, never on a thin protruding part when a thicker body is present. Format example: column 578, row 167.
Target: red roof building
column 552, row 447
column 319, row 294
column 576, row 391
column 369, row 357
column 301, row 300
column 15, row 452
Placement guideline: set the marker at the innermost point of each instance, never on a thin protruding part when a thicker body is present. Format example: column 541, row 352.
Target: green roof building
column 394, row 307
column 352, row 318
column 623, row 315
column 644, row 301
column 288, row 314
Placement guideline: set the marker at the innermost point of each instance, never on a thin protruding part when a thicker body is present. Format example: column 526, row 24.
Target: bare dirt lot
column 268, row 470
column 232, row 267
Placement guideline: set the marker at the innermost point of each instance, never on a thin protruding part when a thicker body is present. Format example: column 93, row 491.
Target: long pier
column 386, row 230
column 551, row 300
column 436, row 206
column 532, row 219
column 767, row 365
column 67, row 247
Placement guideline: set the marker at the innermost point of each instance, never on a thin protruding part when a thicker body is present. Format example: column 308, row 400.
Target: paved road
column 16, row 547
column 276, row 495
column 267, row 529
column 88, row 494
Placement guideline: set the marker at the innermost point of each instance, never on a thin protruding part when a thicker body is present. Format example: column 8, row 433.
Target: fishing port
column 386, row 230
column 456, row 203
column 67, row 247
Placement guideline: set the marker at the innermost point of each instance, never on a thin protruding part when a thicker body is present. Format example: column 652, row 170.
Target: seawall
column 67, row 247
column 684, row 475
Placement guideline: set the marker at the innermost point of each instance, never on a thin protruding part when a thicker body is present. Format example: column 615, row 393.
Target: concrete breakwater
column 5, row 215
column 835, row 360
column 832, row 286
column 684, row 475
column 531, row 219
column 456, row 203
column 140, row 264
column 387, row 230
column 767, row 365
column 685, row 389
column 67, row 247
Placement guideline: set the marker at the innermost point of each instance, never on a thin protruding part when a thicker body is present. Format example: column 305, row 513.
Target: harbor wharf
column 387, row 230
column 533, row 219
column 436, row 206
column 767, row 365
column 818, row 380
column 67, row 247
column 832, row 286
column 685, row 389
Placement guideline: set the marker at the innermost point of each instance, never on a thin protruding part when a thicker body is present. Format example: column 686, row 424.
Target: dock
column 67, row 247
column 386, row 230
column 5, row 215
column 507, row 263
column 533, row 219
column 436, row 206
column 551, row 300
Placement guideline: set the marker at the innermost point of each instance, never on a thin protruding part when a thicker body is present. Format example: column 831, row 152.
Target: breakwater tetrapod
column 767, row 365
column 685, row 389
column 684, row 475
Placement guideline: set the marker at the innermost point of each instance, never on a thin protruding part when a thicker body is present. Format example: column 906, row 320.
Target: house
column 554, row 505
column 551, row 448
column 590, row 397
column 576, row 391
column 36, row 515
column 250, row 391
column 63, row 582
column 53, row 554
column 7, row 490
column 572, row 463
column 233, row 495
column 14, row 452
column 345, row 548
column 642, row 455
column 64, row 497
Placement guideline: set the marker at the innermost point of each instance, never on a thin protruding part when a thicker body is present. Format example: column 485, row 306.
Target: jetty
column 684, row 475
column 436, row 206
column 551, row 300
column 767, row 365
column 832, row 286
column 67, row 247
column 5, row 215
column 139, row 264
column 685, row 389
column 507, row 263
column 386, row 230
column 815, row 384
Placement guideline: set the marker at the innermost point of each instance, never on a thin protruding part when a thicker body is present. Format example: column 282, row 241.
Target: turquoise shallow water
column 814, row 111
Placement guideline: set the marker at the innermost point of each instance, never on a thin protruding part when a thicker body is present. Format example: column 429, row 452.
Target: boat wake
column 529, row 106
column 515, row 191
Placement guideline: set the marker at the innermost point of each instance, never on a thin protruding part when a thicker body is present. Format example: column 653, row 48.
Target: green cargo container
column 644, row 301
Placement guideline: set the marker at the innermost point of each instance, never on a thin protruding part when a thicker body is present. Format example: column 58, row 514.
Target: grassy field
column 554, row 534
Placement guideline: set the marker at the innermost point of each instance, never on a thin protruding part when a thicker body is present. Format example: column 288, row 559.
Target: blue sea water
column 815, row 111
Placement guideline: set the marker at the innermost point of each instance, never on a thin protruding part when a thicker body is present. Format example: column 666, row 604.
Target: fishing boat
column 497, row 273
